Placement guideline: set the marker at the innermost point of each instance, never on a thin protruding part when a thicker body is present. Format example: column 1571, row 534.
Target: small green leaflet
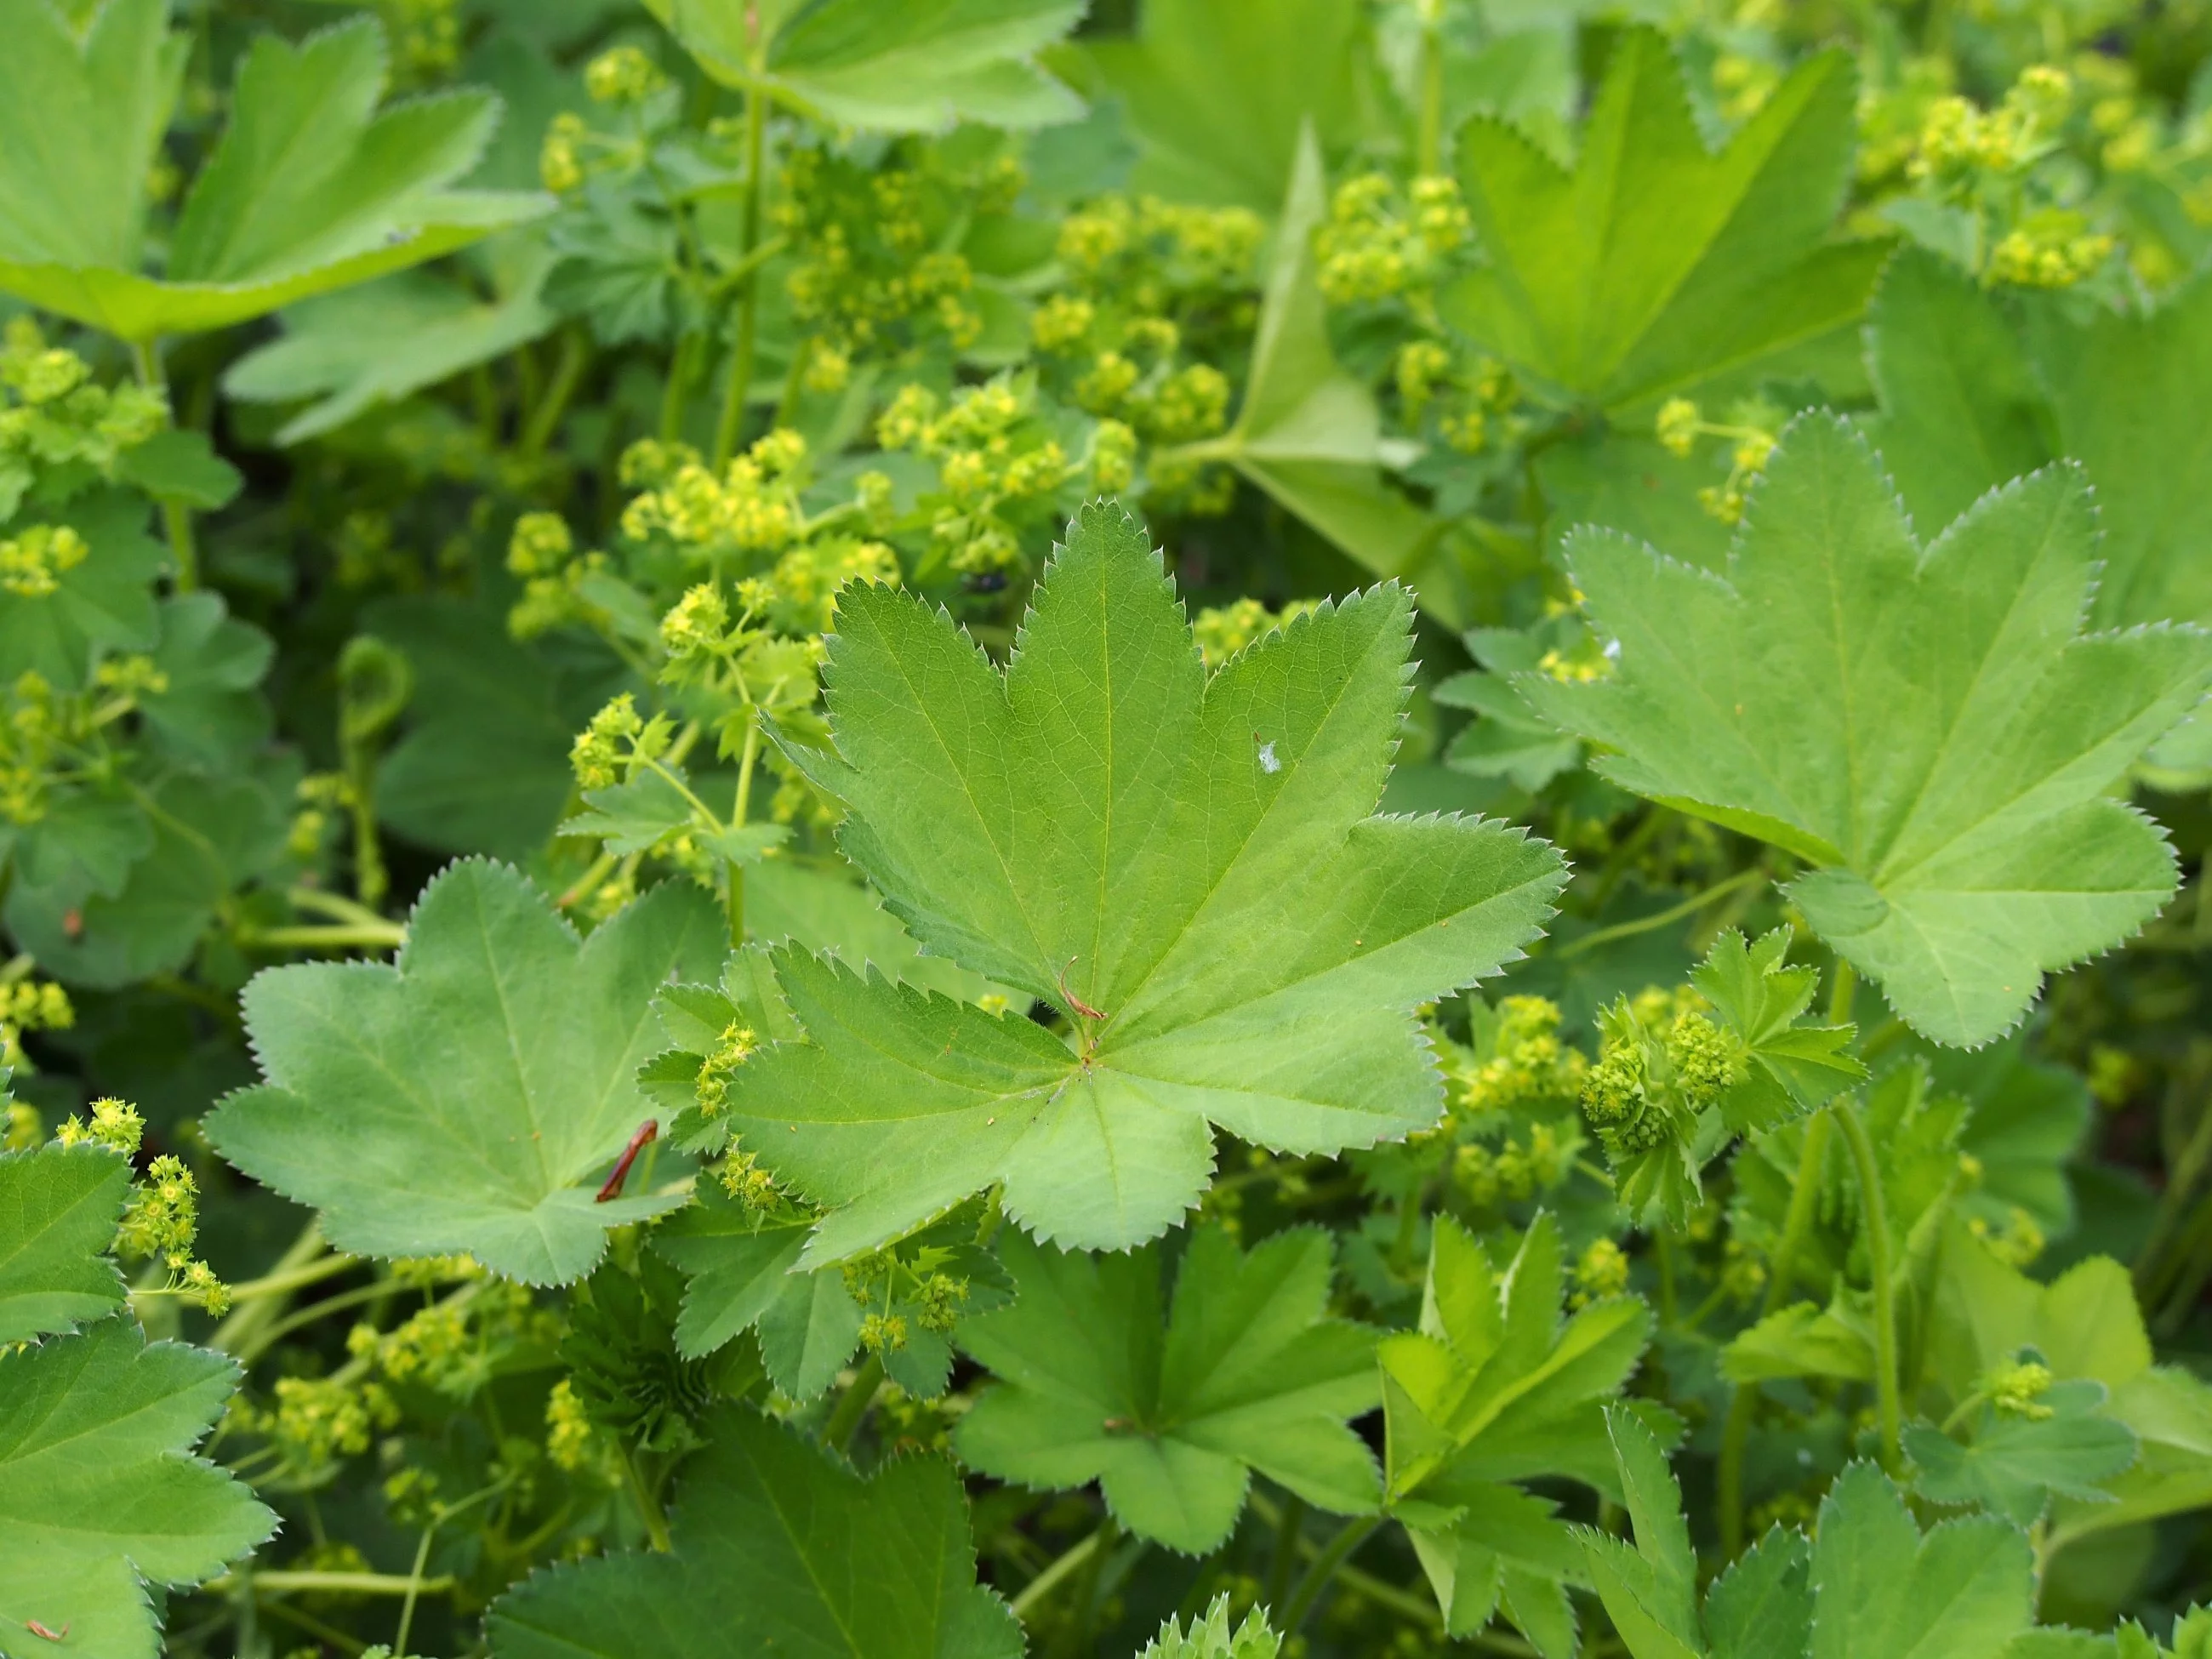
column 893, row 65
column 1791, row 1067
column 1215, row 1637
column 2015, row 1465
column 1929, row 726
column 308, row 189
column 1186, row 866
column 100, row 1494
column 2086, row 1325
column 1493, row 1389
column 58, row 1206
column 1247, row 1372
column 458, row 1100
column 1656, row 266
column 778, row 1548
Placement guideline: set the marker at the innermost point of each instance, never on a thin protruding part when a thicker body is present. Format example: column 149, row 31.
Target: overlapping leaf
column 1868, row 1586
column 1974, row 392
column 1186, row 866
column 1656, row 266
column 58, row 1206
column 309, row 189
column 895, row 65
column 1930, row 725
column 1493, row 1388
column 457, row 1100
column 100, row 1497
column 778, row 1548
column 1247, row 1372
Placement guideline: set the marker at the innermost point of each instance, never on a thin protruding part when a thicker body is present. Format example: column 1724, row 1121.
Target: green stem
column 567, row 370
column 680, row 368
column 1735, row 1434
column 1663, row 1251
column 1429, row 142
column 649, row 1506
column 414, row 1588
column 1290, row 1531
column 1349, row 1537
column 176, row 517
column 853, row 1404
column 746, row 761
column 337, row 906
column 1049, row 1578
column 1085, row 1611
column 1876, row 1216
column 343, row 1584
column 384, row 936
column 1675, row 912
column 251, row 1309
column 728, row 428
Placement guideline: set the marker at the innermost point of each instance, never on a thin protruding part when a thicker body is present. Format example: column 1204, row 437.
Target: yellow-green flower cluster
column 25, row 1006
column 616, row 741
column 622, row 75
column 738, row 1045
column 1523, row 1064
column 2051, row 248
column 54, row 413
column 1378, row 243
column 1752, row 430
column 1517, row 1169
column 1148, row 253
column 33, row 561
column 115, row 1124
column 2017, row 1390
column 1464, row 395
column 1663, row 1061
column 869, row 271
column 569, row 1439
column 1000, row 465
column 1223, row 630
column 751, row 508
column 1600, row 1272
column 1959, row 142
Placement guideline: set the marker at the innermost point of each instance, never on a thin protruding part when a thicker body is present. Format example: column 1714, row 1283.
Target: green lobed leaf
column 1792, row 1067
column 1037, row 828
column 893, row 65
column 58, row 1207
column 1216, row 1636
column 460, row 1099
column 1656, row 266
column 1881, row 1591
column 1246, row 1372
column 101, row 1498
column 778, row 1548
column 309, row 189
column 1930, row 725
column 2015, row 1465
column 1232, row 140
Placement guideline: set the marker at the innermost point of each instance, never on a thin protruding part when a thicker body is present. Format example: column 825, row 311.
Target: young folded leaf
column 893, row 65
column 58, row 1206
column 1491, row 1389
column 461, row 1099
column 1214, row 1637
column 778, row 1548
column 1929, row 726
column 308, row 189
column 1185, row 865
column 101, row 1496
column 1656, row 265
column 1248, row 1372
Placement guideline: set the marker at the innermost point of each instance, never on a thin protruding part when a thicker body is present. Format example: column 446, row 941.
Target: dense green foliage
column 1207, row 829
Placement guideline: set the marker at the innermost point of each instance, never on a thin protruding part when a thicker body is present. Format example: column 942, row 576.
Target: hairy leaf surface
column 100, row 1494
column 309, row 189
column 458, row 1100
column 1656, row 265
column 1247, row 1372
column 1930, row 726
column 1187, row 866
column 778, row 1548
column 58, row 1206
